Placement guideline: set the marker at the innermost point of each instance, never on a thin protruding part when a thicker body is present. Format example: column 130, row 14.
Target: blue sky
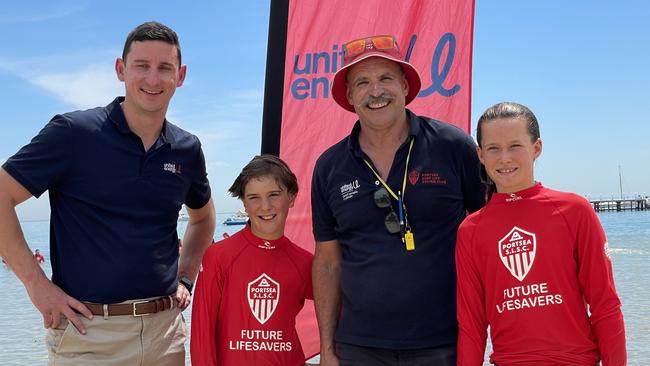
column 581, row 66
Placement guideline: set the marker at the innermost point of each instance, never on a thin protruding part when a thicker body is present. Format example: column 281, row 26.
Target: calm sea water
column 22, row 335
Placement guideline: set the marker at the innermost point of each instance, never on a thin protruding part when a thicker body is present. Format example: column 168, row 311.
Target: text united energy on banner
column 434, row 36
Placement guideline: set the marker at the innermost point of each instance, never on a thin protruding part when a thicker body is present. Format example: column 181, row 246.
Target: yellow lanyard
column 405, row 228
column 408, row 157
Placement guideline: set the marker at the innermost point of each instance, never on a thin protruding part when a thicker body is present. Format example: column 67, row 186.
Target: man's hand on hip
column 52, row 302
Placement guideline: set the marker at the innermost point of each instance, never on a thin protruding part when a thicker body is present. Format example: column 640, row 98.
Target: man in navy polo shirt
column 117, row 177
column 387, row 201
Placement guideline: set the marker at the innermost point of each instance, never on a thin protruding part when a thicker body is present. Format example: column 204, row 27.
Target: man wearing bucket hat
column 386, row 204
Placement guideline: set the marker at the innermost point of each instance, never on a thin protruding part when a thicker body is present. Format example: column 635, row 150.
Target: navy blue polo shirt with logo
column 114, row 207
column 391, row 297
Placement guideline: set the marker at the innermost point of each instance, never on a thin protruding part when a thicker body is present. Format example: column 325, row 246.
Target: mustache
column 383, row 98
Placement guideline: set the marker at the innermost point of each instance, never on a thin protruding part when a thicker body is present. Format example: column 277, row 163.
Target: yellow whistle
column 410, row 242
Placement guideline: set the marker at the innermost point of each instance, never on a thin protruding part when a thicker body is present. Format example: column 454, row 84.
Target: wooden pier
column 636, row 204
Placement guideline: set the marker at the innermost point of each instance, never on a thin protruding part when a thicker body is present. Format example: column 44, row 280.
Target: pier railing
column 636, row 204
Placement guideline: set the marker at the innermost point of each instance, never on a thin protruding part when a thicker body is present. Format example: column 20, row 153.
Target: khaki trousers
column 149, row 340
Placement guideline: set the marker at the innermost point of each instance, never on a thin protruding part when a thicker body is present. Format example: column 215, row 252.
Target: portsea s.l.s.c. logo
column 426, row 178
column 517, row 251
column 414, row 176
column 263, row 297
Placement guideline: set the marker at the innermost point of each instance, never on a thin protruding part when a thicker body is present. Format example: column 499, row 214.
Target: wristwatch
column 185, row 281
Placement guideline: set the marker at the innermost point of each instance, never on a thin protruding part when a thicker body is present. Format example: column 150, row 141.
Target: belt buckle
column 136, row 303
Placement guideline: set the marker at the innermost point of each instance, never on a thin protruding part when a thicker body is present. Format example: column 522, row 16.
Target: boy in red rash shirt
column 253, row 283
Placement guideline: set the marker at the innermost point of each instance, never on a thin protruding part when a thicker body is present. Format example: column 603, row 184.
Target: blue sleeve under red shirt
column 246, row 302
column 114, row 206
column 533, row 265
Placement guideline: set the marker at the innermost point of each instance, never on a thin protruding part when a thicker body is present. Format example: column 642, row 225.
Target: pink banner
column 435, row 36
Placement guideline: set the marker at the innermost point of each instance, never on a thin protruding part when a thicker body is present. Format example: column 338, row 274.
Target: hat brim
column 340, row 89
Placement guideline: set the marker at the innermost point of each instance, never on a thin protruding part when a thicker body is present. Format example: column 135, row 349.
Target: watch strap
column 185, row 281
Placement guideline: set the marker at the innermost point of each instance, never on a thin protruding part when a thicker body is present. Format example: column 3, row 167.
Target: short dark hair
column 505, row 110
column 265, row 165
column 152, row 31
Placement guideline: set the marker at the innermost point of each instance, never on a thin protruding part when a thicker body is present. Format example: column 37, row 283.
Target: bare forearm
column 327, row 297
column 198, row 236
column 48, row 298
column 14, row 248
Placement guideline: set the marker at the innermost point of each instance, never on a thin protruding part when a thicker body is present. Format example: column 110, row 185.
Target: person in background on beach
column 533, row 264
column 384, row 278
column 253, row 283
column 39, row 257
column 117, row 177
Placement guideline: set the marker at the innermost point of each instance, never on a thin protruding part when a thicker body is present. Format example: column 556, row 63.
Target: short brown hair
column 263, row 165
column 152, row 31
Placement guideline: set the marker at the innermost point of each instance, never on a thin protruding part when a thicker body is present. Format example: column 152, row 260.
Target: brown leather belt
column 136, row 308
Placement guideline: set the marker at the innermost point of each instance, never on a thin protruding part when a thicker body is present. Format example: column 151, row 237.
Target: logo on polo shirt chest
column 263, row 297
column 414, row 175
column 172, row 167
column 426, row 178
column 349, row 190
column 517, row 251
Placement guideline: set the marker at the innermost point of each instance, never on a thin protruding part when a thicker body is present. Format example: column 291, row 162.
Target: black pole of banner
column 274, row 82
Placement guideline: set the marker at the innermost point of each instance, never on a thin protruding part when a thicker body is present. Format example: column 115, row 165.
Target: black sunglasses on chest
column 382, row 200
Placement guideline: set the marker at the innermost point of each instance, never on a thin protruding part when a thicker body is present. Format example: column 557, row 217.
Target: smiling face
column 508, row 154
column 267, row 205
column 377, row 89
column 151, row 73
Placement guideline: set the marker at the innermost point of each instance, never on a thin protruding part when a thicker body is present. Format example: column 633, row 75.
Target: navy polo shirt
column 114, row 207
column 391, row 297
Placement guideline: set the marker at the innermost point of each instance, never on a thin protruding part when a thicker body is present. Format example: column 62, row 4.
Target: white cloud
column 86, row 88
column 81, row 87
column 32, row 16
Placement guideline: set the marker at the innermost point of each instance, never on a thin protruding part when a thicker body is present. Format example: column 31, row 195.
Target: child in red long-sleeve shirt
column 533, row 263
column 253, row 283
